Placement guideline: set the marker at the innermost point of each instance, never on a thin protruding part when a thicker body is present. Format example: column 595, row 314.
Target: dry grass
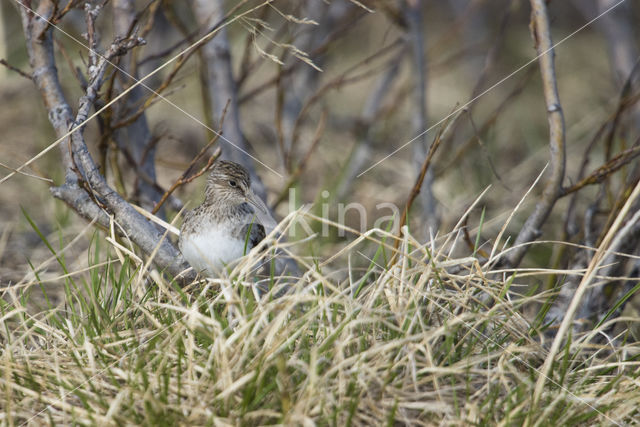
column 363, row 338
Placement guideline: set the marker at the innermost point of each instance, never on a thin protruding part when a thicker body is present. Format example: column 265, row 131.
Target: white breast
column 211, row 249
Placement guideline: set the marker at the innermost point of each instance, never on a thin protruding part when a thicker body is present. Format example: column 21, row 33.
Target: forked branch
column 85, row 189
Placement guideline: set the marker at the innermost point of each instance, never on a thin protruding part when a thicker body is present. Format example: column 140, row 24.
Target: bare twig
column 45, row 75
column 553, row 188
column 70, row 5
column 489, row 62
column 344, row 78
column 185, row 178
column 15, row 69
column 606, row 170
column 627, row 100
column 303, row 163
column 188, row 37
column 75, row 71
column 493, row 53
column 153, row 96
column 136, row 138
column 608, row 129
column 229, row 18
column 413, row 15
column 363, row 128
column 417, row 186
column 617, row 28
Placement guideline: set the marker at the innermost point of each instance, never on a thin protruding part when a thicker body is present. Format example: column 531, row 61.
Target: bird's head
column 230, row 183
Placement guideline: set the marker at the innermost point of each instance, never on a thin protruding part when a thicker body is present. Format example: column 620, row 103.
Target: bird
column 231, row 220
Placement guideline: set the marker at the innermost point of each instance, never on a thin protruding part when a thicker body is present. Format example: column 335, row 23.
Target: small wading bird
column 231, row 220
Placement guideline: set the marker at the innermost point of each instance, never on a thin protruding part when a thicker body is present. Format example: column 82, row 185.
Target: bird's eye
column 233, row 183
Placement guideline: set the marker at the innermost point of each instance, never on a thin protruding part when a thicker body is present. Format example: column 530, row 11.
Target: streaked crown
column 226, row 179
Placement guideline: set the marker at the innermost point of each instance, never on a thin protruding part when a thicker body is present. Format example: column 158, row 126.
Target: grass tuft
column 368, row 336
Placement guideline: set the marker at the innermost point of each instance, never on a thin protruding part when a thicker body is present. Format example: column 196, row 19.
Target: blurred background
column 325, row 91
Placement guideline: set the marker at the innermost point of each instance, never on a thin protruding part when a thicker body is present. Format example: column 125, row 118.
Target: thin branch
column 493, row 53
column 75, row 71
column 606, row 170
column 188, row 37
column 608, row 128
column 363, row 127
column 70, row 5
column 412, row 12
column 15, row 69
column 295, row 176
column 343, row 79
column 45, row 75
column 185, row 178
column 417, row 186
column 541, row 33
column 153, row 96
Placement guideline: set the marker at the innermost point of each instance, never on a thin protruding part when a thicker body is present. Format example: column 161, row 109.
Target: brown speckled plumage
column 219, row 230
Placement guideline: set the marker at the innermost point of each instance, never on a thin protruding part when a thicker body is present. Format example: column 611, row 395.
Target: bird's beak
column 262, row 211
